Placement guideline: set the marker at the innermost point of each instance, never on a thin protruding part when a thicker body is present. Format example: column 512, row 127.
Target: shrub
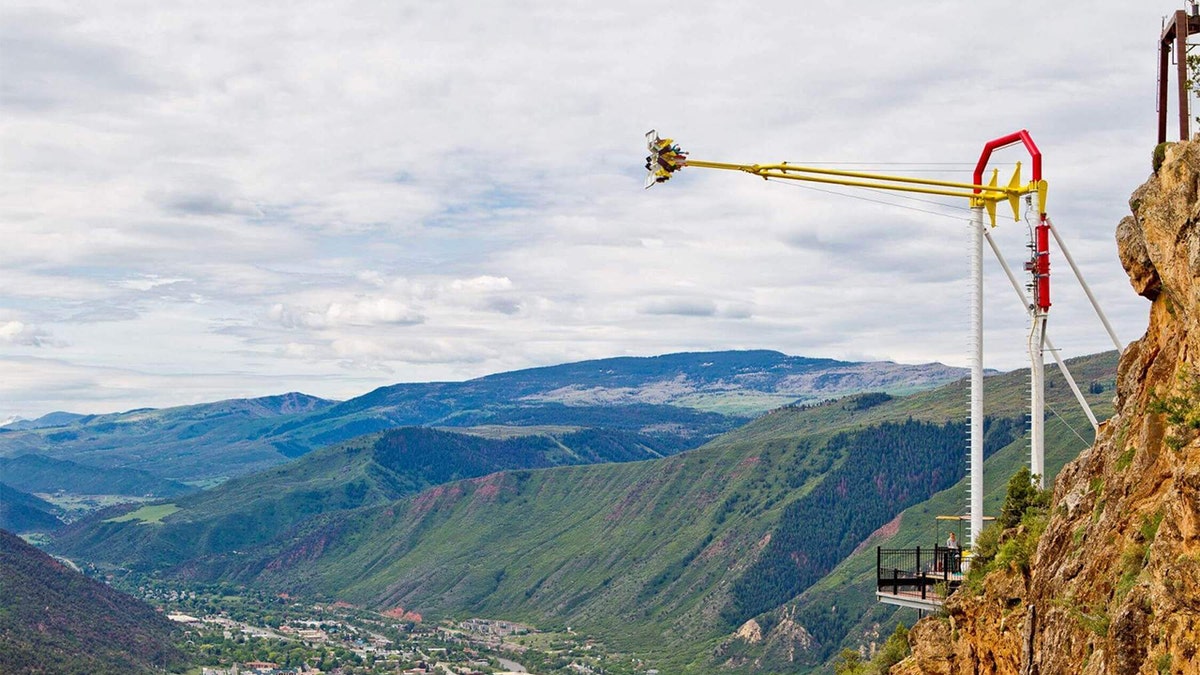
column 1126, row 458
column 849, row 662
column 1160, row 155
column 1181, row 410
column 1133, row 560
column 1016, row 552
column 894, row 650
column 1149, row 527
column 1011, row 541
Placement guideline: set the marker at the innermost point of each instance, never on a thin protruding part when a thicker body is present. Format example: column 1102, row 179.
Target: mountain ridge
column 682, row 400
column 21, row 511
column 658, row 544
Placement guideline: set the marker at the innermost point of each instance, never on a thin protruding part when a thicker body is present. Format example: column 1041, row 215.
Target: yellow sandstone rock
column 1114, row 586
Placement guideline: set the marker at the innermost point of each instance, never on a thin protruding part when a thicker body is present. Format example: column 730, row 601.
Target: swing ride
column 908, row 576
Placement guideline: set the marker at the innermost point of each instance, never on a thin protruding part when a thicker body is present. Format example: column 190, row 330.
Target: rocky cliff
column 1114, row 583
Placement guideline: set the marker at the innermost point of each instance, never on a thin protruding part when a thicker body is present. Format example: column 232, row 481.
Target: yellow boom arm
column 666, row 158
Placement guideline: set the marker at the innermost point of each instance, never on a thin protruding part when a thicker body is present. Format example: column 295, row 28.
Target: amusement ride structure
column 666, row 158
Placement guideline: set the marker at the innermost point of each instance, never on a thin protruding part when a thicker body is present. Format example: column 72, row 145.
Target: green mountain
column 23, row 512
column 661, row 555
column 663, row 558
column 374, row 469
column 679, row 401
column 55, row 620
column 668, row 557
column 840, row 611
column 34, row 473
column 184, row 443
column 54, row 419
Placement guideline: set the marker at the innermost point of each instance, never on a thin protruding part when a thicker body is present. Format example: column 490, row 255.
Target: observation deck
column 920, row 578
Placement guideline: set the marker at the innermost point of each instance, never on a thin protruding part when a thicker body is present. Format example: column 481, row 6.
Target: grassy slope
column 638, row 553
column 576, row 545
column 252, row 510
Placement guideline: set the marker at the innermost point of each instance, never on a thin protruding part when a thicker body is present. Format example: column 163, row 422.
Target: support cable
column 881, row 201
column 1086, row 289
column 1087, row 444
column 1062, row 366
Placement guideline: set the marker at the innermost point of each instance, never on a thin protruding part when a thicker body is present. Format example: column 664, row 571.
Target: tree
column 849, row 662
column 1022, row 496
column 895, row 650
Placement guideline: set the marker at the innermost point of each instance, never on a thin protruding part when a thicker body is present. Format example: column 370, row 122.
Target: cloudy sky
column 214, row 200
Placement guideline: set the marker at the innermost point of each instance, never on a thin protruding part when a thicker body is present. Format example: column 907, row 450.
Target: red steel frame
column 1041, row 265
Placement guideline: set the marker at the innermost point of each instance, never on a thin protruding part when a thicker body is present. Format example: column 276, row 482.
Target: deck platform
column 917, row 578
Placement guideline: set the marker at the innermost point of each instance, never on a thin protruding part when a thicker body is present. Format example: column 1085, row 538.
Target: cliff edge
column 1114, row 583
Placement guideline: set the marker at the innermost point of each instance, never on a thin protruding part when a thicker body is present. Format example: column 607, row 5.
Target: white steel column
column 975, row 465
column 1037, row 401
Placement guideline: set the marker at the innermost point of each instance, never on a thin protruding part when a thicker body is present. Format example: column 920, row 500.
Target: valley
column 663, row 557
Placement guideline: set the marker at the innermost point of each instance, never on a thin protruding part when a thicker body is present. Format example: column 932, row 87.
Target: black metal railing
column 918, row 571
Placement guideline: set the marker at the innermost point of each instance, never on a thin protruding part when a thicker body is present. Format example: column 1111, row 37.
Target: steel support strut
column 1046, row 341
column 1037, row 399
column 975, row 465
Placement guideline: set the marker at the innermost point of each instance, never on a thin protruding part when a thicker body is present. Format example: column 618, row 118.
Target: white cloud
column 301, row 194
column 679, row 307
column 361, row 311
column 148, row 281
column 21, row 334
column 481, row 284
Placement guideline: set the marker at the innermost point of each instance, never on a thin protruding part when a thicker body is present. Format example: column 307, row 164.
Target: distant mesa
column 678, row 401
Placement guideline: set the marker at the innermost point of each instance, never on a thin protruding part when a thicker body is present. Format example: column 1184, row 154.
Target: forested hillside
column 895, row 465
column 375, row 469
column 34, row 473
column 54, row 620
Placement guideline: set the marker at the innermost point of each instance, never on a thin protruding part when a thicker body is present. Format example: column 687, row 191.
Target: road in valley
column 511, row 665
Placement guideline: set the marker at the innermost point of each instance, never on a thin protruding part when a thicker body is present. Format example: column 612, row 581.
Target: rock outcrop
column 1114, row 585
